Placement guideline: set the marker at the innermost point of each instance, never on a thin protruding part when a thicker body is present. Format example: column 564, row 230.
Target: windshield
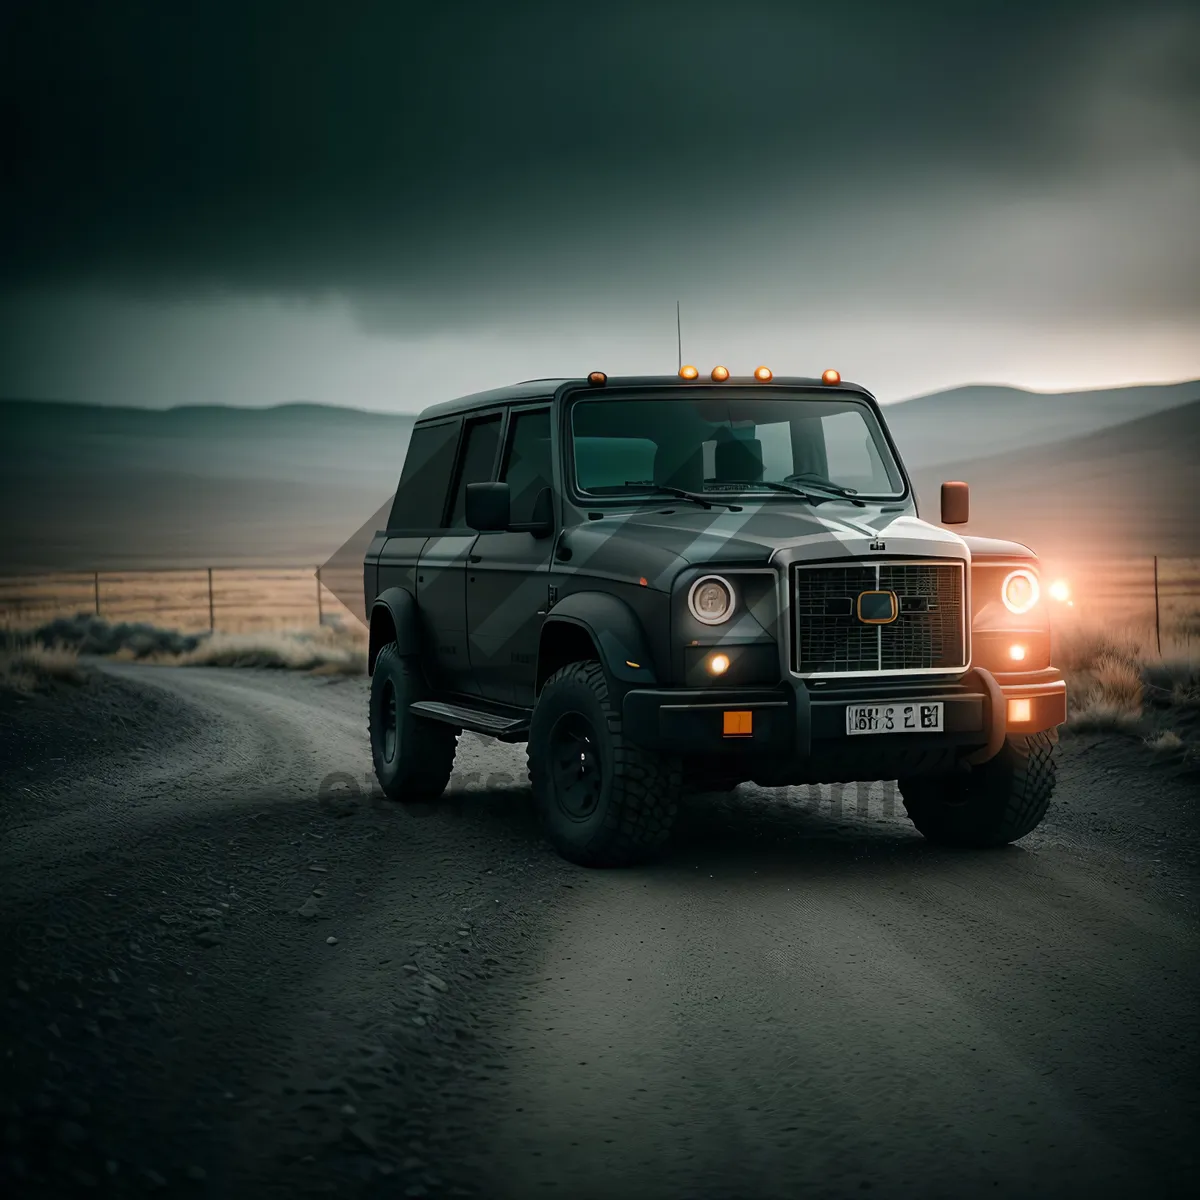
column 731, row 443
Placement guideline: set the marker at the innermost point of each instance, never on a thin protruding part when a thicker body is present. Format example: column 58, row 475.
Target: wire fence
column 1150, row 593
column 1159, row 594
column 191, row 600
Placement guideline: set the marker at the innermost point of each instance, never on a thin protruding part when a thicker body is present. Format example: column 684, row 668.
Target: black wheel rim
column 575, row 766
column 390, row 722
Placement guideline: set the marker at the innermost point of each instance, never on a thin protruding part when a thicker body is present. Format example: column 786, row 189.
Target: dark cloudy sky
column 389, row 205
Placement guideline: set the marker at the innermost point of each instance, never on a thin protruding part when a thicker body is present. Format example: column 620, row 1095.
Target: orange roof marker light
column 830, row 377
column 597, row 379
column 763, row 374
column 720, row 374
column 688, row 372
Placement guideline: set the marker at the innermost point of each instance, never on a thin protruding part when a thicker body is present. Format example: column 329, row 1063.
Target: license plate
column 894, row 718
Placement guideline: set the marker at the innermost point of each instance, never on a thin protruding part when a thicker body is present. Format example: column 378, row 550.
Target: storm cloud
column 466, row 167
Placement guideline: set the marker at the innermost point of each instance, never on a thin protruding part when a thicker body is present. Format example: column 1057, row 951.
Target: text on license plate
column 894, row 718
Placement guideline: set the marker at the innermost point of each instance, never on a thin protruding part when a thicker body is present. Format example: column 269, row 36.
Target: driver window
column 528, row 466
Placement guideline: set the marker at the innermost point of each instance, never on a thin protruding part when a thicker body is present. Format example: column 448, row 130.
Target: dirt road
column 231, row 970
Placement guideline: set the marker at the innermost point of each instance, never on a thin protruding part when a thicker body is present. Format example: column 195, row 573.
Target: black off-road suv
column 669, row 583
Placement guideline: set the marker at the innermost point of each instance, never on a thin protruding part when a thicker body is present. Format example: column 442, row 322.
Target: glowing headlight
column 711, row 600
column 1020, row 591
column 1060, row 590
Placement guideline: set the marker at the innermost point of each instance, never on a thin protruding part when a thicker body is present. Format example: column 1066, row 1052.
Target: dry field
column 242, row 599
column 247, row 599
column 1119, row 663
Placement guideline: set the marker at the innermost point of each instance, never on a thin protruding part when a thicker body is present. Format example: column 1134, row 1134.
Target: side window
column 528, row 466
column 425, row 479
column 475, row 466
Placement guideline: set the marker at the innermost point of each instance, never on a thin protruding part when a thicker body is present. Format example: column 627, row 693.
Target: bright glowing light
column 762, row 374
column 1059, row 590
column 688, row 372
column 1016, row 653
column 1020, row 591
column 720, row 374
column 1020, row 711
column 719, row 664
column 831, row 377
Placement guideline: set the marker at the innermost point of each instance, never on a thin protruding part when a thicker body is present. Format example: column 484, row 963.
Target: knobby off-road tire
column 413, row 756
column 998, row 802
column 604, row 801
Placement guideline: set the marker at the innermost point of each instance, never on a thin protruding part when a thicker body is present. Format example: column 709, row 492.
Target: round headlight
column 711, row 600
column 1020, row 591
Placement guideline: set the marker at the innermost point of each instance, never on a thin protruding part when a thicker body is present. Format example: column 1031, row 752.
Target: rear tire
column 997, row 802
column 604, row 802
column 413, row 756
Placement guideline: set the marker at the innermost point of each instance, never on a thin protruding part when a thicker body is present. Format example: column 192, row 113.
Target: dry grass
column 325, row 650
column 322, row 652
column 1103, row 667
column 1167, row 742
column 32, row 668
column 1113, row 671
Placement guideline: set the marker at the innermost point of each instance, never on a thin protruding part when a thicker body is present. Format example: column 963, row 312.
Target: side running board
column 506, row 728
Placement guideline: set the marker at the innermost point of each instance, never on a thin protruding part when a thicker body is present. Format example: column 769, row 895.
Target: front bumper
column 801, row 719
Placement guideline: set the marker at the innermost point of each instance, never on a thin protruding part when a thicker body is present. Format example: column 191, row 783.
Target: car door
column 509, row 571
column 442, row 566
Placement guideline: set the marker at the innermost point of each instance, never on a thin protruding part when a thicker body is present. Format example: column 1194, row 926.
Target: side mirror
column 488, row 506
column 956, row 503
column 541, row 520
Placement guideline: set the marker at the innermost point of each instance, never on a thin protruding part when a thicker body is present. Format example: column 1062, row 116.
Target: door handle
column 474, row 558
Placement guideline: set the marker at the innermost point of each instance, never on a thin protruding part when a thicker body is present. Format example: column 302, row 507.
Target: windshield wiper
column 813, row 479
column 772, row 485
column 682, row 493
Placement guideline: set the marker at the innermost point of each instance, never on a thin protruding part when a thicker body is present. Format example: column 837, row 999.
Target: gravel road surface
column 231, row 968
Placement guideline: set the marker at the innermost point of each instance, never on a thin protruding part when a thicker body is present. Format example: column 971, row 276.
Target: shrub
column 1167, row 742
column 30, row 667
column 326, row 655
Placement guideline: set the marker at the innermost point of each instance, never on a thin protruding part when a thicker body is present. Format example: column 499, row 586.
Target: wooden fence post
column 320, row 609
column 96, row 587
column 1157, row 626
column 212, row 624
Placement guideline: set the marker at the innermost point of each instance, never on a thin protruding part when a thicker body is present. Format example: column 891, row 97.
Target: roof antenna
column 679, row 335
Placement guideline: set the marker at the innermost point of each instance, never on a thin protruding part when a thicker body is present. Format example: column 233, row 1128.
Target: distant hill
column 287, row 442
column 1132, row 490
column 85, row 486
column 984, row 419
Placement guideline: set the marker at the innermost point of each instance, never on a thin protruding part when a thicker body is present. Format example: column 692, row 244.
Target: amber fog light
column 719, row 664
column 1020, row 711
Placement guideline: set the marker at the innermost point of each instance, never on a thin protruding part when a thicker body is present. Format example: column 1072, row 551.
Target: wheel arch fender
column 617, row 636
column 393, row 618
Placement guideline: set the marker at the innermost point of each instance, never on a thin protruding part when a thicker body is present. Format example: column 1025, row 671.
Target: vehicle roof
column 543, row 389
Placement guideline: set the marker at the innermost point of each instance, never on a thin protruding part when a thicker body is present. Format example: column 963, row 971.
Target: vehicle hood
column 657, row 543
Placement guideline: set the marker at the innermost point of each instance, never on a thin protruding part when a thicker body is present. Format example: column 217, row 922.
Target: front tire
column 413, row 756
column 604, row 801
column 997, row 802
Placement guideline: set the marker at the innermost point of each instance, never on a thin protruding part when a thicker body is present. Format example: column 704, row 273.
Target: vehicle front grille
column 929, row 634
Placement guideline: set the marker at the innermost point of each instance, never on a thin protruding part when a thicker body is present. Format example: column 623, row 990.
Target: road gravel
column 231, row 968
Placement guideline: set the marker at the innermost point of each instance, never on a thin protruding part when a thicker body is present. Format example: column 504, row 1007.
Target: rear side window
column 528, row 467
column 421, row 497
column 478, row 459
